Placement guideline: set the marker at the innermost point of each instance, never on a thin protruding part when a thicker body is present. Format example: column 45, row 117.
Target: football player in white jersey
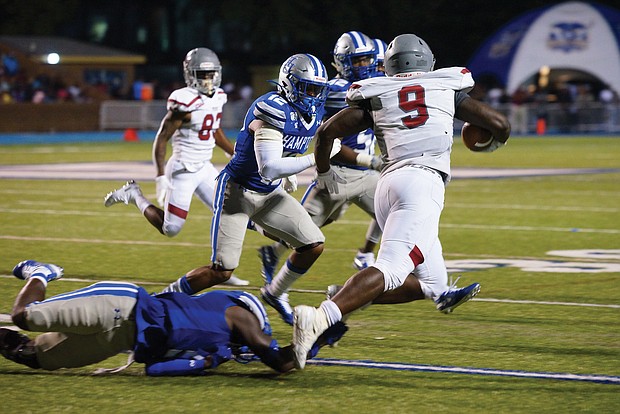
column 354, row 59
column 193, row 124
column 277, row 131
column 412, row 111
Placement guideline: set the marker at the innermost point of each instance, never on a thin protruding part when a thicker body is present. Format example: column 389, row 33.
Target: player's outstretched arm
column 246, row 328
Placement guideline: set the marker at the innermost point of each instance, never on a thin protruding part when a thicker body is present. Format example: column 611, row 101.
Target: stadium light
column 53, row 58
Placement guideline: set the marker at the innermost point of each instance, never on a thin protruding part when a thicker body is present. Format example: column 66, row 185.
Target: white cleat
column 126, row 194
column 308, row 324
column 235, row 281
column 363, row 260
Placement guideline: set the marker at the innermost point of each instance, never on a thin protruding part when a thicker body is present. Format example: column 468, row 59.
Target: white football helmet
column 202, row 70
column 380, row 47
column 408, row 53
column 303, row 82
column 352, row 46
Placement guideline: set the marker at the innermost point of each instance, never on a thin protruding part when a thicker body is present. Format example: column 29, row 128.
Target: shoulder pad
column 273, row 109
column 183, row 100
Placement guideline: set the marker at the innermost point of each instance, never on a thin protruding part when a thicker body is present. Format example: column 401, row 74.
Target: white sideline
column 606, row 379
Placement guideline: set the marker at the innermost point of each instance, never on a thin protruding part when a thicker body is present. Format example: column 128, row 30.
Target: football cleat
column 331, row 291
column 330, row 337
column 235, row 281
column 18, row 348
column 363, row 260
column 454, row 297
column 280, row 304
column 31, row 268
column 308, row 324
column 269, row 262
column 126, row 194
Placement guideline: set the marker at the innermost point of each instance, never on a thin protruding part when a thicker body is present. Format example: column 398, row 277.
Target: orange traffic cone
column 541, row 126
column 131, row 135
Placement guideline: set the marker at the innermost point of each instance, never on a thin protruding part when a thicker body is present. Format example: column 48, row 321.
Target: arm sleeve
column 459, row 97
column 268, row 148
column 176, row 367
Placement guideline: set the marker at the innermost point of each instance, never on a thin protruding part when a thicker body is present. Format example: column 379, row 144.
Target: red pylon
column 131, row 135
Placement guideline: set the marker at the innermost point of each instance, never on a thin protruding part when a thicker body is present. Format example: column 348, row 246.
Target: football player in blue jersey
column 380, row 47
column 355, row 58
column 172, row 333
column 277, row 128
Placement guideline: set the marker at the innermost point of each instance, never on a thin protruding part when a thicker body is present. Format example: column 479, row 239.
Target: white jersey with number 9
column 413, row 116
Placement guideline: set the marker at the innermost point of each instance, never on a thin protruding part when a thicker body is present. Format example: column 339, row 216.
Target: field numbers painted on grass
column 551, row 266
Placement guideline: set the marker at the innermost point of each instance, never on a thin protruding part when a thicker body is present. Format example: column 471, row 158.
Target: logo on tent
column 568, row 37
column 506, row 42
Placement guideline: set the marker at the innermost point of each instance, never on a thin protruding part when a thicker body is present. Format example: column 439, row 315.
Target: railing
column 590, row 118
column 593, row 118
column 131, row 114
column 148, row 115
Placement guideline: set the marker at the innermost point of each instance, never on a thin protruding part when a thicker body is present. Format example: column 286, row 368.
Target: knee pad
column 172, row 230
column 394, row 275
column 308, row 247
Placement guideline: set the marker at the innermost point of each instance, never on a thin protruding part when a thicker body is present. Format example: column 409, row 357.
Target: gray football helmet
column 202, row 70
column 408, row 53
column 350, row 46
column 303, row 82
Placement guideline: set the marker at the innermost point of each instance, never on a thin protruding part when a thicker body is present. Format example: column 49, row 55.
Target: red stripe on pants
column 416, row 256
column 179, row 212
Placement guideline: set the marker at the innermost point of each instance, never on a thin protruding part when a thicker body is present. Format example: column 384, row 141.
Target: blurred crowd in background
column 573, row 107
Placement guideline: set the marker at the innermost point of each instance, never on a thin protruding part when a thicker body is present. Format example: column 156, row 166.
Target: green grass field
column 537, row 311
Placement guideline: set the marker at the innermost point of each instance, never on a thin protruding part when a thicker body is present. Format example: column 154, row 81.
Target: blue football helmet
column 351, row 48
column 303, row 82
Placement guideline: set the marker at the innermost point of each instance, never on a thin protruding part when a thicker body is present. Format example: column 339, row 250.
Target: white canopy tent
column 567, row 36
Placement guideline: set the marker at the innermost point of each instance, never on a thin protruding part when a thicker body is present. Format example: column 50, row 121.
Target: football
column 476, row 138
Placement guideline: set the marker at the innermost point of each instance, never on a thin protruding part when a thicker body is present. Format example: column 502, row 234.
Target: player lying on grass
column 172, row 333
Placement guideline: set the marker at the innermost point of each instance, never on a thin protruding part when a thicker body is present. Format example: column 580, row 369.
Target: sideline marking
column 605, row 379
column 537, row 302
column 143, row 171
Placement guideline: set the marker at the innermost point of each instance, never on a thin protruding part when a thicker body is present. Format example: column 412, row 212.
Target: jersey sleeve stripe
column 270, row 115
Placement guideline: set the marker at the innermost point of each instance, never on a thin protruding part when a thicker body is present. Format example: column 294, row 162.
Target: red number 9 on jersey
column 412, row 99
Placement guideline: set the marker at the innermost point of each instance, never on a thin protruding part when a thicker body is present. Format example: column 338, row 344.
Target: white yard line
column 322, row 292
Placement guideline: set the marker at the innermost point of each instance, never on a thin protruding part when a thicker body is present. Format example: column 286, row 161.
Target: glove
column 377, row 163
column 290, row 183
column 495, row 144
column 162, row 185
column 329, row 180
column 335, row 148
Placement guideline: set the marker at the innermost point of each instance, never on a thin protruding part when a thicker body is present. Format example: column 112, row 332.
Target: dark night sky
column 258, row 32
